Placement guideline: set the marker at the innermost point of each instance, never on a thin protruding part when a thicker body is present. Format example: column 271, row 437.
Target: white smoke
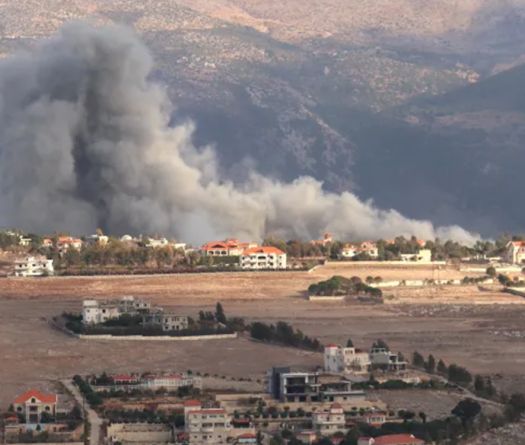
column 85, row 142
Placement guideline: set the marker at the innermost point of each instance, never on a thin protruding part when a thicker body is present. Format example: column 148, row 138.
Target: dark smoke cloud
column 85, row 142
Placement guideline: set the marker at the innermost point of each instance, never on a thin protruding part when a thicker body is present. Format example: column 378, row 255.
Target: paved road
column 95, row 422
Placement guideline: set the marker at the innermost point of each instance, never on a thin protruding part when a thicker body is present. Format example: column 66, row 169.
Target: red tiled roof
column 336, row 406
column 192, row 402
column 247, row 436
column 207, row 411
column 124, row 377
column 265, row 249
column 331, row 345
column 44, row 398
column 398, row 439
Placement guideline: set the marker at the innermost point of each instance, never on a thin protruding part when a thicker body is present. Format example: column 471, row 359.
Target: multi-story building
column 258, row 258
column 32, row 266
column 33, row 404
column 167, row 320
column 515, row 252
column 95, row 311
column 291, row 386
column 228, row 247
column 422, row 256
column 331, row 421
column 350, row 360
column 382, row 358
column 208, row 426
column 367, row 247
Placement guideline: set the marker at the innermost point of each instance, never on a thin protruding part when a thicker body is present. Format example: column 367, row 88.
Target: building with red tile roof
column 33, row 404
column 391, row 439
column 266, row 257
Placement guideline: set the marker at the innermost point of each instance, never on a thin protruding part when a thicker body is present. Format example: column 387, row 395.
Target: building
column 287, row 385
column 246, row 439
column 346, row 360
column 375, row 418
column 382, row 358
column 167, row 320
column 64, row 243
column 391, row 439
column 24, row 241
column 422, row 256
column 515, row 252
column 170, row 381
column 101, row 240
column 208, row 426
column 327, row 239
column 95, row 311
column 33, row 266
column 260, row 258
column 154, row 243
column 228, row 247
column 330, row 421
column 293, row 386
column 365, row 248
column 308, row 436
column 33, row 405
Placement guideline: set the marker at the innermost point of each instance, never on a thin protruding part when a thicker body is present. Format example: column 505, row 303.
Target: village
column 39, row 256
column 335, row 393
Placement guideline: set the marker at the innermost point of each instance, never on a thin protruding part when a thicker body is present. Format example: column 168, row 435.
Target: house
column 293, row 386
column 33, row 266
column 308, row 436
column 365, row 248
column 126, row 379
column 34, row 405
column 47, row 243
column 391, row 439
column 167, row 320
column 422, row 256
column 346, row 360
column 246, row 439
column 64, row 243
column 208, row 426
column 382, row 358
column 171, row 381
column 260, row 258
column 375, row 418
column 24, row 241
column 154, row 243
column 228, row 247
column 515, row 252
column 330, row 421
column 327, row 239
column 287, row 385
column 95, row 311
column 96, row 239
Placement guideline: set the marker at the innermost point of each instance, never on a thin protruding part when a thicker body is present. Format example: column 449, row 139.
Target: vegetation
column 283, row 333
column 92, row 397
column 341, row 286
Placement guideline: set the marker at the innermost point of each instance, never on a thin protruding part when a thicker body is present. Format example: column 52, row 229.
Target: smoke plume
column 85, row 143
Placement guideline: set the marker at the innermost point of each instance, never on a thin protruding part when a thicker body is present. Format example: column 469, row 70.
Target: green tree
column 431, row 364
column 442, row 368
column 219, row 314
column 491, row 271
column 466, row 410
column 349, row 343
column 418, row 360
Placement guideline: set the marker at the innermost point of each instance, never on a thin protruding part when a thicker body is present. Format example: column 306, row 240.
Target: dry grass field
column 487, row 338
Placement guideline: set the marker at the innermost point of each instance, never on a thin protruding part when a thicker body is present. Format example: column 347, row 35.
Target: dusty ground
column 485, row 338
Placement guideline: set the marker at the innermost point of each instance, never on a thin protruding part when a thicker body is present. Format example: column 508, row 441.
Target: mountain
column 414, row 104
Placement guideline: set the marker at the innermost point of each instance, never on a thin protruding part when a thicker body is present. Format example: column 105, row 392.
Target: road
column 95, row 422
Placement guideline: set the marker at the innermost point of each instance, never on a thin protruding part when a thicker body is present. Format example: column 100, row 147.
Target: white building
column 515, row 252
column 168, row 321
column 171, row 381
column 384, row 359
column 259, row 258
column 346, row 360
column 208, row 426
column 329, row 422
column 34, row 267
column 95, row 312
column 154, row 243
column 422, row 256
column 367, row 247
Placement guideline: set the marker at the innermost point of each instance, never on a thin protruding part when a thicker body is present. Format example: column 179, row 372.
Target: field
column 487, row 338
